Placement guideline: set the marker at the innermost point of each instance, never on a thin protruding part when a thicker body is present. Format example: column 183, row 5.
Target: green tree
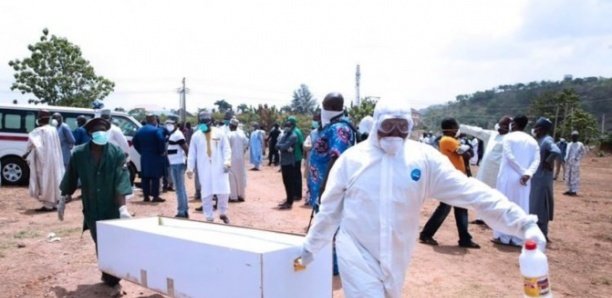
column 365, row 108
column 242, row 108
column 57, row 74
column 303, row 102
column 138, row 113
column 559, row 108
column 223, row 106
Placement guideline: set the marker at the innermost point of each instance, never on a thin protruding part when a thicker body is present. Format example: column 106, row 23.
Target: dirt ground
column 579, row 254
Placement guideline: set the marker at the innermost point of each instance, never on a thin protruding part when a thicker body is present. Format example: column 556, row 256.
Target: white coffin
column 183, row 258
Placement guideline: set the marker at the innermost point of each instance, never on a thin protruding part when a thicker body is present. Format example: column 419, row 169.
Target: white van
column 16, row 121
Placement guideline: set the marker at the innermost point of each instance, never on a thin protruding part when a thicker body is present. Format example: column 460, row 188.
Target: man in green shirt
column 105, row 182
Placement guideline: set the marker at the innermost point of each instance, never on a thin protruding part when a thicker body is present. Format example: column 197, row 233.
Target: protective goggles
column 390, row 124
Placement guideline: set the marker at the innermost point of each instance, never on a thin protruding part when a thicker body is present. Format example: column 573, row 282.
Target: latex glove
column 533, row 232
column 303, row 260
column 189, row 174
column 61, row 206
column 226, row 168
column 123, row 212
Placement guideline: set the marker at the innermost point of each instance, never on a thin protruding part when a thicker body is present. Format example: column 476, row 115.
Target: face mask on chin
column 326, row 116
column 170, row 127
column 391, row 145
column 203, row 127
column 54, row 123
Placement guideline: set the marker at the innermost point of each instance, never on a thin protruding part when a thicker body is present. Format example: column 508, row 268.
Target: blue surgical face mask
column 99, row 137
column 315, row 124
column 203, row 127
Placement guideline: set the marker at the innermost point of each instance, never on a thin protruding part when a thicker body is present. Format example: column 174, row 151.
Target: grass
column 68, row 231
column 26, row 234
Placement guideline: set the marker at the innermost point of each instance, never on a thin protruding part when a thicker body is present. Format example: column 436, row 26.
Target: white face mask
column 170, row 127
column 326, row 116
column 458, row 133
column 54, row 123
column 496, row 126
column 533, row 132
column 391, row 145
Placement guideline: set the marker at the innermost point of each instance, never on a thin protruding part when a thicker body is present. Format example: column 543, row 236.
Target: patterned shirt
column 334, row 139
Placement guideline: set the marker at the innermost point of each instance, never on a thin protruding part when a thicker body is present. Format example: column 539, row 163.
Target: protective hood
column 386, row 109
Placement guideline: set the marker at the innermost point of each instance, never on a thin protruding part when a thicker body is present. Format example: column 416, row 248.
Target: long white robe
column 46, row 165
column 378, row 198
column 574, row 154
column 493, row 144
column 211, row 174
column 237, row 176
column 116, row 137
column 521, row 156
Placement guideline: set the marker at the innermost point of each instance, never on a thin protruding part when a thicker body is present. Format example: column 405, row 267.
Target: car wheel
column 15, row 171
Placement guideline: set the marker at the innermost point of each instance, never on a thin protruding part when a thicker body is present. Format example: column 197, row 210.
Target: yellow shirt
column 448, row 147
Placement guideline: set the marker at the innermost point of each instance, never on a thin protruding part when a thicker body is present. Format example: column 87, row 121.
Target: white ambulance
column 16, row 121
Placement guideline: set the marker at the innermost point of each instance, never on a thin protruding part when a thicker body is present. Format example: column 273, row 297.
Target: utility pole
column 603, row 123
column 182, row 101
column 556, row 120
column 357, row 79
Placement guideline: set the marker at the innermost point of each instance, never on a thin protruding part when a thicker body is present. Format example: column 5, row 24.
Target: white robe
column 521, row 156
column 211, row 174
column 493, row 144
column 46, row 165
column 238, row 177
column 116, row 137
column 378, row 199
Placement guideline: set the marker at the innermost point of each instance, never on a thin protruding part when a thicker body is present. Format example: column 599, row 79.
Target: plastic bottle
column 534, row 268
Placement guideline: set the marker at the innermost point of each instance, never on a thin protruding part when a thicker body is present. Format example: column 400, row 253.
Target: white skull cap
column 386, row 109
column 365, row 125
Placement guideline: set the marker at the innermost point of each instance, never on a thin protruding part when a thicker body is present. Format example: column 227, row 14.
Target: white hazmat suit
column 373, row 199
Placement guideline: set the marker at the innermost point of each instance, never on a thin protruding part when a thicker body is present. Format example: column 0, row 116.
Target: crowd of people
column 372, row 178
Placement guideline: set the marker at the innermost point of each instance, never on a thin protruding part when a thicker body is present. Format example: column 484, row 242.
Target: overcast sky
column 255, row 52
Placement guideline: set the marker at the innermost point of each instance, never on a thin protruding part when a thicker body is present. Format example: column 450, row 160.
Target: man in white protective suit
column 376, row 190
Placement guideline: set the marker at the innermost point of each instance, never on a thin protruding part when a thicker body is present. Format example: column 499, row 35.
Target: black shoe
column 45, row 209
column 478, row 222
column 158, row 200
column 284, row 207
column 224, row 219
column 181, row 215
column 470, row 244
column 233, row 201
column 146, row 199
column 567, row 193
column 240, row 199
column 428, row 241
column 199, row 209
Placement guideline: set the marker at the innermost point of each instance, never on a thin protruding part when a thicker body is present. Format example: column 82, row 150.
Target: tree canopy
column 57, row 74
column 303, row 102
column 580, row 103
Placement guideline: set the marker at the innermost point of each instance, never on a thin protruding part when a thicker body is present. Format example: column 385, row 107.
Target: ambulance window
column 128, row 127
column 12, row 121
column 30, row 121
